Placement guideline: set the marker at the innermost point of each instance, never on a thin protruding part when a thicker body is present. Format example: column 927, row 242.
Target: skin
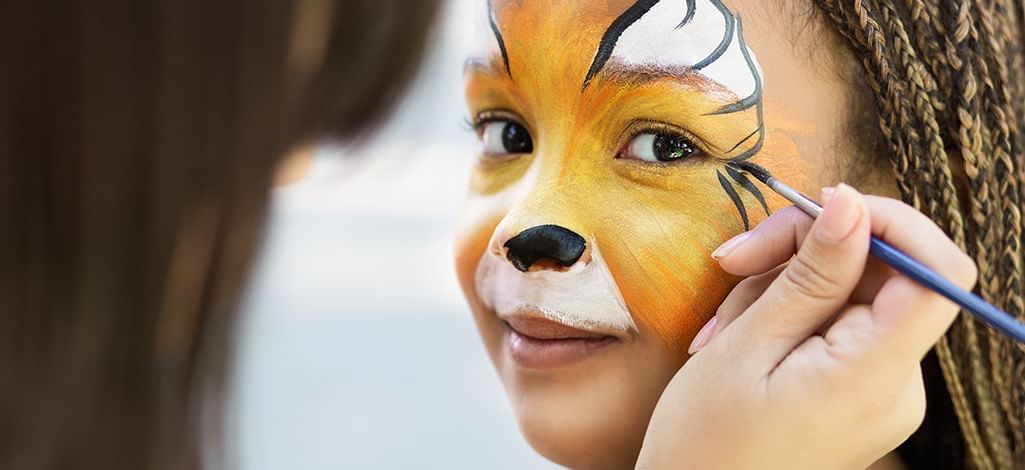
column 656, row 224
column 823, row 346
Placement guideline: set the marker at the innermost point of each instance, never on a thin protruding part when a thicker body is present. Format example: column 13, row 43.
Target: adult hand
column 813, row 360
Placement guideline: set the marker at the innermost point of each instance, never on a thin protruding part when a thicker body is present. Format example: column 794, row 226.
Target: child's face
column 611, row 132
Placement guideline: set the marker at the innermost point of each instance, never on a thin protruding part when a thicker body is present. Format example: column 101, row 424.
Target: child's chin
column 586, row 419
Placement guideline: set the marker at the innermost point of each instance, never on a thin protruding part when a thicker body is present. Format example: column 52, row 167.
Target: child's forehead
column 576, row 40
column 521, row 17
column 596, row 9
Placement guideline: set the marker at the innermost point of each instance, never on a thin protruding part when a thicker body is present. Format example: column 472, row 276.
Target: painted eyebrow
column 734, row 29
column 611, row 36
column 636, row 11
column 498, row 37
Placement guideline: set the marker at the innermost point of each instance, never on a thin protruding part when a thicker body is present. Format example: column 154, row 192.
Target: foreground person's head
column 138, row 140
column 614, row 138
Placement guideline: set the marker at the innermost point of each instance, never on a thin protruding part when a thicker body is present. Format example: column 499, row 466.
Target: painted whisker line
column 749, row 136
column 737, row 201
column 755, row 98
column 756, row 170
column 736, row 171
column 749, row 186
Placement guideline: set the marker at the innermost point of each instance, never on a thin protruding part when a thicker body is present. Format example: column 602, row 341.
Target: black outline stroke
column 691, row 10
column 737, row 201
column 499, row 38
column 611, row 36
column 727, row 37
column 748, row 185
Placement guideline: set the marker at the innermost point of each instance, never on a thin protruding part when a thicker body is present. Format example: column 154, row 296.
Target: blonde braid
column 947, row 76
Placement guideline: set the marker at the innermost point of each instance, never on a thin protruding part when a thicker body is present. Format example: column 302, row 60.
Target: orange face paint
column 654, row 224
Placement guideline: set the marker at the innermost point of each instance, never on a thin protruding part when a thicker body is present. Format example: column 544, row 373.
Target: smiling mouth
column 538, row 343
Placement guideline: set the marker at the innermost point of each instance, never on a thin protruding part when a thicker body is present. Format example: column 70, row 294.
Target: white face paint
column 585, row 297
column 705, row 38
column 485, row 44
column 658, row 39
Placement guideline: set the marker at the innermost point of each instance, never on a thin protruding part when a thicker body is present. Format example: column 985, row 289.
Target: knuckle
column 805, row 279
column 903, row 210
column 965, row 272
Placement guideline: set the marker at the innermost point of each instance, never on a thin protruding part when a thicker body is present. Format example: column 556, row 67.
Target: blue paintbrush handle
column 982, row 310
column 910, row 267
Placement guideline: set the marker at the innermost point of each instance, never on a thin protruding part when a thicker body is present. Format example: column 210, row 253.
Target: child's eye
column 504, row 137
column 659, row 147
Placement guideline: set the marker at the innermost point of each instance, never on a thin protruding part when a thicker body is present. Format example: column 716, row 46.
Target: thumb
column 814, row 285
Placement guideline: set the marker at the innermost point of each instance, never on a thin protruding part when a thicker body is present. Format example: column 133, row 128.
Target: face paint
column 585, row 296
column 641, row 117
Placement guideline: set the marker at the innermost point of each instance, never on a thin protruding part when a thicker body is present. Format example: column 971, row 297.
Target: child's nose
column 545, row 247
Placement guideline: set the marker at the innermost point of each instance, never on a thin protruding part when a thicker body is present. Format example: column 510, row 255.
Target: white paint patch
column 586, row 298
column 485, row 42
column 654, row 40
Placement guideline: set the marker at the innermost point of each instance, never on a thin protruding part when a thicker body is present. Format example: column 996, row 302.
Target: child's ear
column 294, row 167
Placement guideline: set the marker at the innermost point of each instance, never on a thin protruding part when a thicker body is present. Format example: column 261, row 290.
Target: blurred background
column 356, row 348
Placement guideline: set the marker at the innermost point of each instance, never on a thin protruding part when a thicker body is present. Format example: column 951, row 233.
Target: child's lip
column 536, row 342
column 533, row 323
column 545, row 329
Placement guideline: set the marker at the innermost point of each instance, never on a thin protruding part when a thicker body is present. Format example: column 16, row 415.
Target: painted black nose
column 545, row 242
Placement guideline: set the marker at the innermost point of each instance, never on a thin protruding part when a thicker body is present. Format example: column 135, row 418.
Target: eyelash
column 484, row 117
column 477, row 123
column 654, row 127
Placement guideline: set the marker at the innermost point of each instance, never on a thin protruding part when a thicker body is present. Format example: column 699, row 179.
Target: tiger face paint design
column 624, row 126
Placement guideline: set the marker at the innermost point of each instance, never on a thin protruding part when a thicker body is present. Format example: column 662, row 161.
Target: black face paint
column 734, row 31
column 611, row 36
column 737, row 201
column 545, row 242
column 749, row 186
column 752, row 101
column 499, row 38
column 727, row 37
column 691, row 10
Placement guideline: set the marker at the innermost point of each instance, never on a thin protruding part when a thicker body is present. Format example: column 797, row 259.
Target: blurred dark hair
column 137, row 145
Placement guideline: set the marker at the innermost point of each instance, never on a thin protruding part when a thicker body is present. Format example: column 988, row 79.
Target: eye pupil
column 668, row 148
column 516, row 139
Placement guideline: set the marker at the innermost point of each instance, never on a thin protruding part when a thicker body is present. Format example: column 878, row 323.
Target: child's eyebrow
column 639, row 74
column 484, row 66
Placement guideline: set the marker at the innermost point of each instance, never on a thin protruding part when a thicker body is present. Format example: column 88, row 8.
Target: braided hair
column 948, row 78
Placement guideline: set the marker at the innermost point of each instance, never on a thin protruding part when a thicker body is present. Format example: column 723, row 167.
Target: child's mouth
column 538, row 343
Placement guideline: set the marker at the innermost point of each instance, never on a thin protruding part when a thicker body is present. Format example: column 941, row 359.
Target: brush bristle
column 755, row 170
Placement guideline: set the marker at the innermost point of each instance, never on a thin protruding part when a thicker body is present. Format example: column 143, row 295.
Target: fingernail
column 703, row 336
column 840, row 216
column 827, row 194
column 730, row 246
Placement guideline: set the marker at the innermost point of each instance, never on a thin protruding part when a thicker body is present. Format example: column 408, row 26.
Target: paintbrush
column 902, row 262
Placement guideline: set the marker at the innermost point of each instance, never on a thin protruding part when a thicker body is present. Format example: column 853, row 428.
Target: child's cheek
column 659, row 243
column 660, row 257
